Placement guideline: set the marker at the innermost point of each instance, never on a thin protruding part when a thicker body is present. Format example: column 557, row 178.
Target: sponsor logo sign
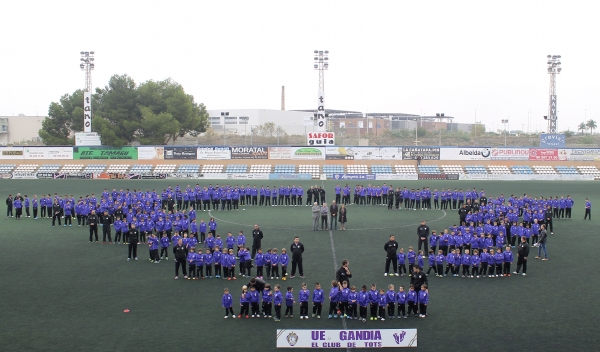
column 151, row 153
column 24, row 175
column 101, row 153
column 65, row 153
column 184, row 175
column 510, row 154
column 426, row 153
column 320, row 138
column 87, row 111
column 339, row 153
column 349, row 338
column 553, row 140
column 540, row 154
column 437, row 176
column 583, row 154
column 399, row 177
column 11, row 153
column 249, row 152
column 214, row 153
column 87, row 139
column 353, row 176
column 290, row 177
column 181, row 153
column 476, row 153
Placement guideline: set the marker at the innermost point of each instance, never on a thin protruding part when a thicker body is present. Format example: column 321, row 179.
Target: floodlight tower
column 321, row 63
column 87, row 65
column 553, row 69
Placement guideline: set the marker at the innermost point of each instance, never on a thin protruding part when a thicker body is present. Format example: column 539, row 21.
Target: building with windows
column 20, row 129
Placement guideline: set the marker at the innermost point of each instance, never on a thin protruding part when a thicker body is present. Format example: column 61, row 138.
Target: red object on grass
column 126, row 311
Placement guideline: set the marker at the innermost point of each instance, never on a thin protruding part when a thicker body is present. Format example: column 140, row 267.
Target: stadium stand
column 165, row 169
column 49, row 168
column 94, row 168
column 118, row 168
column 567, row 170
column 357, row 169
column 6, row 168
column 236, row 169
column 452, row 169
column 475, row 169
column 314, row 170
column 285, row 169
column 381, row 169
column 71, row 168
column 141, row 169
column 260, row 169
column 499, row 169
column 212, row 169
column 405, row 169
column 522, row 170
column 189, row 168
column 329, row 170
column 429, row 169
column 544, row 169
column 589, row 170
column 26, row 168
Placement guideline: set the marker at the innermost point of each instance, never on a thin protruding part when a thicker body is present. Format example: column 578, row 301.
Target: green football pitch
column 61, row 293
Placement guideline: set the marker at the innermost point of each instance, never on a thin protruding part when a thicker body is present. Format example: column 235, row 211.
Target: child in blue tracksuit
column 244, row 302
column 411, row 255
column 382, row 302
column 457, row 261
column 450, row 263
column 208, row 263
column 343, row 305
column 303, row 296
column 289, row 303
column 334, row 298
column 267, row 305
column 284, row 259
column 259, row 261
column 508, row 259
column 153, row 242
column 491, row 263
column 431, row 263
column 231, row 265
column 274, row 264
column 363, row 302
column 277, row 300
column 227, row 302
column 401, row 262
column 352, row 303
column 423, row 301
column 484, row 261
column 164, row 246
column 439, row 263
column 499, row 259
column 318, row 299
column 254, row 299
column 475, row 263
column 412, row 300
column 401, row 299
column 465, row 262
column 373, row 301
column 391, row 301
column 191, row 259
column 200, row 264
column 241, row 241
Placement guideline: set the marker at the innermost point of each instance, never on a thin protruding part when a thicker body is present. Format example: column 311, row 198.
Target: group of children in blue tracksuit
column 494, row 263
column 344, row 302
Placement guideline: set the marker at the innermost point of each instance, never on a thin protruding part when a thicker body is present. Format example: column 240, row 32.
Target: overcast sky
column 419, row 57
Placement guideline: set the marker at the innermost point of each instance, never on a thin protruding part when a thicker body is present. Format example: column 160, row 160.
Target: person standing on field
column 257, row 236
column 333, row 211
column 423, row 233
column 391, row 247
column 296, row 249
column 522, row 254
column 316, row 213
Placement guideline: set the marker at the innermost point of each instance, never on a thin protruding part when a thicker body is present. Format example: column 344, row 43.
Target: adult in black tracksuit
column 418, row 279
column 257, row 236
column 423, row 233
column 548, row 219
column 343, row 273
column 105, row 220
column 56, row 213
column 296, row 249
column 9, row 206
column 92, row 221
column 391, row 247
column 522, row 254
column 133, row 236
column 180, row 255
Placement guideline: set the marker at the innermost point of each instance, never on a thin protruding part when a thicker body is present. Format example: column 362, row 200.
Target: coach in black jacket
column 257, row 236
column 133, row 236
column 391, row 247
column 522, row 254
column 423, row 233
column 92, row 221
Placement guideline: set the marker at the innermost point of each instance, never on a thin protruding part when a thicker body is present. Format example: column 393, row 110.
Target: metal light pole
column 223, row 114
column 416, row 130
column 87, row 65
column 553, row 69
column 505, row 122
column 321, row 63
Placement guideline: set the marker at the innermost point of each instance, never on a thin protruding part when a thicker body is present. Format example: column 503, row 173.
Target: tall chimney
column 282, row 97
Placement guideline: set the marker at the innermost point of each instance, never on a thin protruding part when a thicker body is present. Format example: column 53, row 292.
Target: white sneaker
column 301, row 317
column 384, row 274
column 227, row 316
column 233, row 316
column 524, row 274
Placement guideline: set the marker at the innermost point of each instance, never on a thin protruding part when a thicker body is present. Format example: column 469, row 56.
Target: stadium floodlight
column 321, row 63
column 553, row 67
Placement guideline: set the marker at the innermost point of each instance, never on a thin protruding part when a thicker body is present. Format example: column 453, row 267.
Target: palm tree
column 591, row 124
column 582, row 127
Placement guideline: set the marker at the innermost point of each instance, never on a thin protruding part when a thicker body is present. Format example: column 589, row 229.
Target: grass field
column 61, row 293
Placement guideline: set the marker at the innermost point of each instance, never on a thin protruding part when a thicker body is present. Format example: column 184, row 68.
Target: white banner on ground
column 65, row 153
column 367, row 338
column 24, row 175
column 393, row 177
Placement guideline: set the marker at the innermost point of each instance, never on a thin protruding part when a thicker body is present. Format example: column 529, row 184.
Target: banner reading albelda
column 104, row 153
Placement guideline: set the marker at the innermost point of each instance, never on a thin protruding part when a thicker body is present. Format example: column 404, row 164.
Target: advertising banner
column 320, row 138
column 367, row 338
column 247, row 176
column 41, row 153
column 290, row 177
column 437, row 176
column 147, row 177
column 24, row 175
column 475, row 153
column 87, row 111
column 80, row 176
column 398, row 177
column 214, row 153
column 510, row 154
column 102, row 152
column 539, row 154
column 11, row 153
column 151, row 153
column 553, row 140
column 321, row 112
column 339, row 153
column 297, row 153
column 180, row 175
column 180, row 153
column 426, row 153
column 249, row 152
column 525, row 177
column 353, row 176
column 582, row 154
column 87, row 139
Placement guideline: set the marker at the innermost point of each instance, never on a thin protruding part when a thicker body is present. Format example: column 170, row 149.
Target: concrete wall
column 20, row 129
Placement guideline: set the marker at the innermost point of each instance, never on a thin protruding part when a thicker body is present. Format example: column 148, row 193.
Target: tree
column 157, row 128
column 63, row 119
column 168, row 99
column 117, row 118
column 582, row 127
column 268, row 130
column 478, row 129
column 591, row 124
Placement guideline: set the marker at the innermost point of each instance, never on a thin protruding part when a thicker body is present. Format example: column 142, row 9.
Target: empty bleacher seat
column 212, row 169
column 522, row 170
column 189, row 169
column 284, row 169
column 94, row 168
column 381, row 169
column 25, row 168
column 357, row 169
column 452, row 169
column 405, row 169
column 165, row 168
column 429, row 169
column 499, row 169
column 567, row 170
column 475, row 169
column 260, row 169
column 118, row 168
column 589, row 170
column 315, row 170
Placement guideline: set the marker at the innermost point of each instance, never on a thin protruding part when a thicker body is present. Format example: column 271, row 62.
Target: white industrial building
column 20, row 129
column 239, row 121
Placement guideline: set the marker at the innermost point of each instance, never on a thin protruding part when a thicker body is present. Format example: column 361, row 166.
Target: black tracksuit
column 133, row 237
column 92, row 220
column 390, row 248
column 522, row 253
